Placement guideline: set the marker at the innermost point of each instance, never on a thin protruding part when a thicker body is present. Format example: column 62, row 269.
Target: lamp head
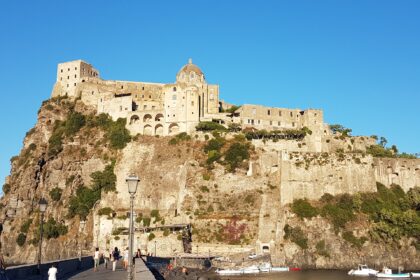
column 42, row 205
column 132, row 182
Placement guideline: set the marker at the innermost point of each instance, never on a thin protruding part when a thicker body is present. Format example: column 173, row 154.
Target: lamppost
column 132, row 182
column 42, row 207
column 82, row 231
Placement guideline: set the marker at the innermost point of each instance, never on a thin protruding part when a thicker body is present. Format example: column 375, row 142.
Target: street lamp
column 132, row 182
column 42, row 207
column 82, row 229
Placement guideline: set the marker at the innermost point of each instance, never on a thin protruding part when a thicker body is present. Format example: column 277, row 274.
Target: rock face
column 230, row 212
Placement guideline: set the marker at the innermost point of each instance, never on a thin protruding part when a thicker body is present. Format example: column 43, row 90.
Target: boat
column 253, row 269
column 387, row 273
column 229, row 271
column 362, row 270
column 279, row 269
column 265, row 267
column 415, row 275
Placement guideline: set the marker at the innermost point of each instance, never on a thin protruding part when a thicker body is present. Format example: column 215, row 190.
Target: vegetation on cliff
column 85, row 198
column 392, row 213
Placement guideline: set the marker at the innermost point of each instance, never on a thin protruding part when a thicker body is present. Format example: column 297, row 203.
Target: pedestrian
column 115, row 257
column 126, row 258
column 96, row 257
column 138, row 254
column 107, row 256
column 52, row 272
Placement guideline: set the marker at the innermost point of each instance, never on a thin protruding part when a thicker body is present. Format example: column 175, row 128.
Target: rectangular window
column 271, row 122
column 145, row 107
column 252, row 121
column 67, row 85
column 268, row 112
column 258, row 121
column 291, row 114
column 75, row 76
column 192, row 103
column 61, row 70
column 75, row 68
column 293, row 124
column 74, row 84
column 279, row 113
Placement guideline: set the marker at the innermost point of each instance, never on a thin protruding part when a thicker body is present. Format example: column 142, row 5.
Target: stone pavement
column 102, row 274
column 141, row 272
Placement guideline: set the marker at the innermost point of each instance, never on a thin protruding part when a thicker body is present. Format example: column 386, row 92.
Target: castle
column 168, row 109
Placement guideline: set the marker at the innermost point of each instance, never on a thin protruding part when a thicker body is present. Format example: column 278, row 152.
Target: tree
column 383, row 141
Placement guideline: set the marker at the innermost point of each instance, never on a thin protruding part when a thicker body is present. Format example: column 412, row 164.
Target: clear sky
column 359, row 61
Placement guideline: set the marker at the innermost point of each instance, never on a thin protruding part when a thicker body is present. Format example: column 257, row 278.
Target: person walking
column 126, row 258
column 96, row 257
column 107, row 257
column 52, row 272
column 115, row 257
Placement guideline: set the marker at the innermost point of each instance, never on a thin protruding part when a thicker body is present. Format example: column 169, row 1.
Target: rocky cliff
column 235, row 193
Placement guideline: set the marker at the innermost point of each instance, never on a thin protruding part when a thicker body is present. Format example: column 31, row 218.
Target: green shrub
column 55, row 193
column 204, row 189
column 106, row 211
column 183, row 136
column 81, row 203
column 236, row 154
column 146, row 221
column 234, row 127
column 155, row 214
column 321, row 249
column 209, row 126
column 21, row 239
column 232, row 109
column 379, row 151
column 303, row 209
column 25, row 226
column 296, row 235
column 166, row 232
column 117, row 134
column 74, row 123
column 356, row 242
column 151, row 236
column 118, row 230
column 338, row 216
column 6, row 188
column 55, row 143
column 250, row 199
column 214, row 144
column 139, row 218
column 104, row 180
column 53, row 229
column 213, row 156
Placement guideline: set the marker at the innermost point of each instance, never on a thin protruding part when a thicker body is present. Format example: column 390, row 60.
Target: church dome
column 190, row 72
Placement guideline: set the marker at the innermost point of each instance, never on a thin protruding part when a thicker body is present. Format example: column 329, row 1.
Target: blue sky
column 359, row 61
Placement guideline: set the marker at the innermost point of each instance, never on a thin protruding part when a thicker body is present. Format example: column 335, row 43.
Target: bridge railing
column 65, row 267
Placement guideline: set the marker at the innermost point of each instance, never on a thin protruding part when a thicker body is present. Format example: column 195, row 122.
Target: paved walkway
column 141, row 272
column 102, row 273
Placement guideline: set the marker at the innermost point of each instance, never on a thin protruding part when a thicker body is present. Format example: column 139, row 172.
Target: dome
column 186, row 72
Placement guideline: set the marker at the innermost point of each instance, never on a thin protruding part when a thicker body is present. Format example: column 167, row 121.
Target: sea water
column 298, row 275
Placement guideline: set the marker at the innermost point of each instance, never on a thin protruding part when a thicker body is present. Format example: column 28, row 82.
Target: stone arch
column 134, row 119
column 159, row 130
column 159, row 118
column 147, row 130
column 147, row 118
column 173, row 128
